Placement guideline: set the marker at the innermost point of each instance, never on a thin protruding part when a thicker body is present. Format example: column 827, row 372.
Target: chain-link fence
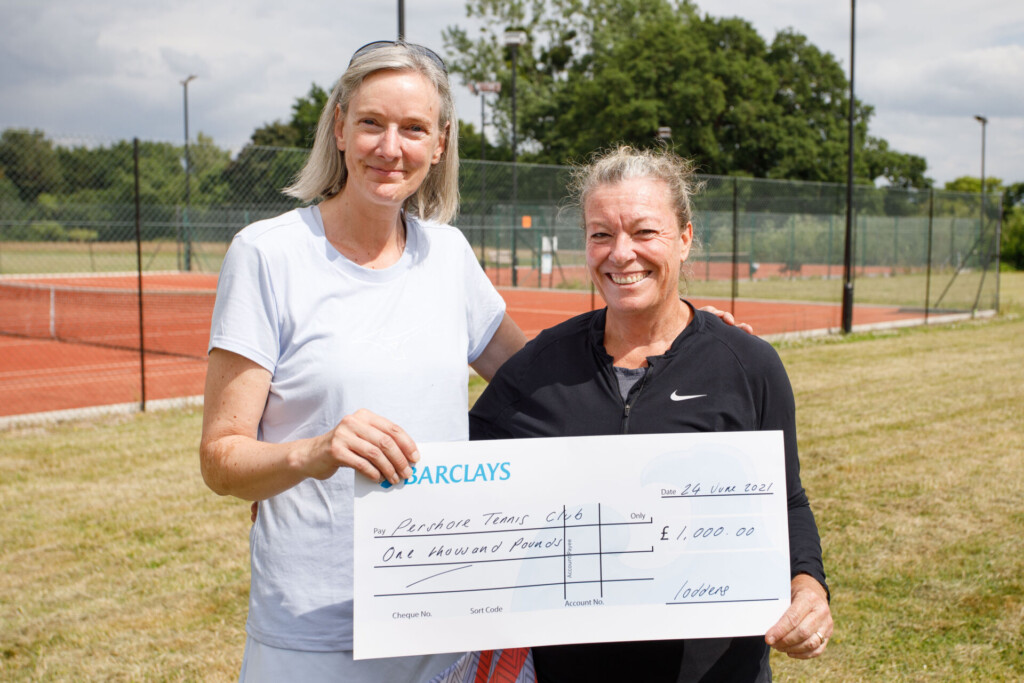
column 87, row 226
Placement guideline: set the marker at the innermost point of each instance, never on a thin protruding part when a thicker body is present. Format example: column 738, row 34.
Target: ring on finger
column 821, row 638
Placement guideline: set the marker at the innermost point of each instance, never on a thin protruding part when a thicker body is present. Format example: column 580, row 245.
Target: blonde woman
column 341, row 332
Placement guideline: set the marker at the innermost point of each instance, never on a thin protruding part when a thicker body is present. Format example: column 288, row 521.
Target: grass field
column 116, row 563
column 19, row 258
column 901, row 289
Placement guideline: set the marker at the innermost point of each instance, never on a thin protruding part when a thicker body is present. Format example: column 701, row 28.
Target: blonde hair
column 627, row 163
column 324, row 174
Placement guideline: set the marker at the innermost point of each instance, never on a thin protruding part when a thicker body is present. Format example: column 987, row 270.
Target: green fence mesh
column 68, row 221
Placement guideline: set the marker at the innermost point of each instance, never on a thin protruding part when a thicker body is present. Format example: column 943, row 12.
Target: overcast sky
column 111, row 69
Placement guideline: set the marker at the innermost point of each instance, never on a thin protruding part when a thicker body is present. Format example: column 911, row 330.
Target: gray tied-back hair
column 324, row 174
column 627, row 163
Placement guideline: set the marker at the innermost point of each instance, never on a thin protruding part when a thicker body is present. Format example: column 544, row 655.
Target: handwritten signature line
column 716, row 602
column 434, row 576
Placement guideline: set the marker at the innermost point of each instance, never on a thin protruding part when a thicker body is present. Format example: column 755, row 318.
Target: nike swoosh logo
column 677, row 397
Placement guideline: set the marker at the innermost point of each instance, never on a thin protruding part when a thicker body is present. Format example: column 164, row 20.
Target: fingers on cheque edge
column 374, row 446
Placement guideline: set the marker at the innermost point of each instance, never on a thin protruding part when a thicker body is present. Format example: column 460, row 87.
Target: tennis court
column 70, row 342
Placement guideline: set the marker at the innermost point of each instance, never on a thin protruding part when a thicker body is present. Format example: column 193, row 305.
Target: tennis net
column 175, row 322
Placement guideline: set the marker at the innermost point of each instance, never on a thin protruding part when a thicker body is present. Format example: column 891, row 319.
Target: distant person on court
column 650, row 363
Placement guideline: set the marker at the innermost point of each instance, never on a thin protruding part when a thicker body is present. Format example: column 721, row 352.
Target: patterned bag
column 491, row 666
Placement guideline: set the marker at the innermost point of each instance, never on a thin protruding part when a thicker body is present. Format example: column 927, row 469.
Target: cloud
column 112, row 68
column 980, row 80
column 182, row 63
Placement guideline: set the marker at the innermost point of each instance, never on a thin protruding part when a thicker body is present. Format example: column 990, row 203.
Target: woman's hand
column 803, row 631
column 368, row 443
column 727, row 318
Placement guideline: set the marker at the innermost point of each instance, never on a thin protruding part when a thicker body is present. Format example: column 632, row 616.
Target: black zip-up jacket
column 714, row 378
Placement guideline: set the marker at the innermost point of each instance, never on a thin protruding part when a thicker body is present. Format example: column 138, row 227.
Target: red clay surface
column 534, row 310
column 43, row 374
column 700, row 271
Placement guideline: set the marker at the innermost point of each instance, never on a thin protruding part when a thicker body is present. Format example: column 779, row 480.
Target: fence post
column 792, row 245
column 863, row 242
column 828, row 258
column 138, row 268
column 895, row 243
column 999, row 251
column 928, row 271
column 735, row 244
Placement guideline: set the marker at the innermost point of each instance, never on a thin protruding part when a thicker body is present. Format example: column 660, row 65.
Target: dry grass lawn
column 116, row 563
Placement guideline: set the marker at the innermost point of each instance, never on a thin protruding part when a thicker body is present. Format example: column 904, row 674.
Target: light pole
column 983, row 121
column 188, row 181
column 401, row 19
column 848, row 251
column 981, row 226
column 514, row 39
column 481, row 87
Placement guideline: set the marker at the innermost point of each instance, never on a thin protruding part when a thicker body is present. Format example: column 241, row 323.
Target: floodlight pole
column 848, row 251
column 401, row 19
column 983, row 121
column 188, row 182
column 481, row 87
column 514, row 39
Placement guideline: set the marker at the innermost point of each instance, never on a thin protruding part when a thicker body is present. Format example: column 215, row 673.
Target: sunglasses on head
column 418, row 49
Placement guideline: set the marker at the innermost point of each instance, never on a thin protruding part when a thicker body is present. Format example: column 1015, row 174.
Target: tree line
column 592, row 73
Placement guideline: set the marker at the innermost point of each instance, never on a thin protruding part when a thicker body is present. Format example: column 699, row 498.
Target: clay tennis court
column 71, row 342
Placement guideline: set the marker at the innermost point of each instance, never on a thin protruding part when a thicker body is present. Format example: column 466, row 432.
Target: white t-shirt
column 338, row 337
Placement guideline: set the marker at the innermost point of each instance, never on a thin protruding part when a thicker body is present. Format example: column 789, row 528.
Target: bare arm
column 507, row 339
column 234, row 462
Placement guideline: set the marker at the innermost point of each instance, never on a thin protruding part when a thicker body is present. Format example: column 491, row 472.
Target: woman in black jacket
column 650, row 363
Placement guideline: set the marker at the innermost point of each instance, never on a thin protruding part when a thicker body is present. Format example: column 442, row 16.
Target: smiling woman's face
column 391, row 136
column 635, row 246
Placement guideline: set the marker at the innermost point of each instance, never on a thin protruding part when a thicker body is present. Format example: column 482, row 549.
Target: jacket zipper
column 628, row 404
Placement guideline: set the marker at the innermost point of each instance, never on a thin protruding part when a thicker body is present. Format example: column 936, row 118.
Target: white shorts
column 266, row 664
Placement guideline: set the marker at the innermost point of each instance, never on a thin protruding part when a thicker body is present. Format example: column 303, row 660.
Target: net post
column 138, row 268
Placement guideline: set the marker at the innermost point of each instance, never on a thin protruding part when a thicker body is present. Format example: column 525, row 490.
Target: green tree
column 29, row 160
column 972, row 184
column 599, row 72
column 470, row 141
column 899, row 170
column 1013, row 225
column 208, row 162
column 300, row 129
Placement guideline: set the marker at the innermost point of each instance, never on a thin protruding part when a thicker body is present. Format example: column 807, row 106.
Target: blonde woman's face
column 635, row 247
column 391, row 136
